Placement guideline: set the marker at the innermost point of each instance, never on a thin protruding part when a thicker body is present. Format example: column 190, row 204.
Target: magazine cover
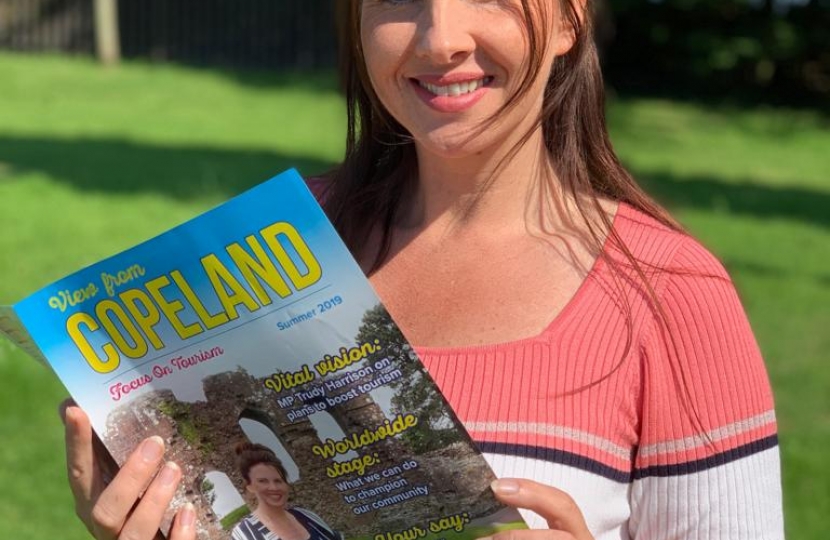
column 252, row 323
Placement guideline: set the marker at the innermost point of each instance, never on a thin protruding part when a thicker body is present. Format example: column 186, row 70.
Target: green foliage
column 207, row 489
column 415, row 393
column 189, row 428
column 766, row 51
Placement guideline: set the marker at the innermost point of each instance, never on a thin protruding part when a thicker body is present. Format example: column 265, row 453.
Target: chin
column 455, row 149
column 450, row 145
column 456, row 143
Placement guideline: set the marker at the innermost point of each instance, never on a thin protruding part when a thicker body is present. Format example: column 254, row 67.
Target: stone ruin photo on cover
column 368, row 442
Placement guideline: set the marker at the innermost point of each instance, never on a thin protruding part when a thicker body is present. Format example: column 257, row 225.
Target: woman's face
column 442, row 68
column 268, row 485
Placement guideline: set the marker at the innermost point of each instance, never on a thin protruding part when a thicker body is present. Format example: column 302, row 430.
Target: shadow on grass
column 740, row 198
column 320, row 81
column 121, row 166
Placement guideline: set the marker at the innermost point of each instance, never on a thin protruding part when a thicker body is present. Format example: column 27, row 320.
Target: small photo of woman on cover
column 273, row 519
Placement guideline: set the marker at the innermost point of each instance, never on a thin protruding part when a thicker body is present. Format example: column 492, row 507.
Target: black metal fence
column 238, row 33
column 246, row 33
column 47, row 25
column 775, row 51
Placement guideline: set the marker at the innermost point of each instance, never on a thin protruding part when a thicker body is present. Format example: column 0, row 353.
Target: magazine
column 252, row 322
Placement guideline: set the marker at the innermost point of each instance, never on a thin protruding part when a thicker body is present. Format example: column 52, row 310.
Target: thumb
column 553, row 505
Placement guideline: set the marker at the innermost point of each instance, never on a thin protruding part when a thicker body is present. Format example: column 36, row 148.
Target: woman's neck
column 273, row 513
column 282, row 523
column 488, row 188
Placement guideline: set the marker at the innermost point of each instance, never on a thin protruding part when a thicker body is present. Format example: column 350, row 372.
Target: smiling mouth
column 455, row 89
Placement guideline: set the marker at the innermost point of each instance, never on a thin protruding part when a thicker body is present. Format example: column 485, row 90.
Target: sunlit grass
column 94, row 160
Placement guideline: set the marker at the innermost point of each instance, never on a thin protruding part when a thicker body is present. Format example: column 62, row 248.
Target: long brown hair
column 365, row 192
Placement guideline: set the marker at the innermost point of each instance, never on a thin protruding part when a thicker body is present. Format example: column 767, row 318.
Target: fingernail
column 152, row 449
column 168, row 474
column 187, row 516
column 69, row 414
column 505, row 486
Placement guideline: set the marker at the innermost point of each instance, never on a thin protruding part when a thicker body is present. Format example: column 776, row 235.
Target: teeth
column 455, row 89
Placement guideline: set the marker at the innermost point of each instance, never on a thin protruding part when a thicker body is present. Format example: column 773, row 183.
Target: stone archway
column 326, row 427
column 227, row 504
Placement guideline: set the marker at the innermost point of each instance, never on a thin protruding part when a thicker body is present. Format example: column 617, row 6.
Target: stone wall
column 201, row 437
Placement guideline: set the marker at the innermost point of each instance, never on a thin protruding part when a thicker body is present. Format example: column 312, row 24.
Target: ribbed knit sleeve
column 657, row 418
column 707, row 464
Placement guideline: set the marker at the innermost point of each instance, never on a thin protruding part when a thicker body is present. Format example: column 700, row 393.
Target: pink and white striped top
column 659, row 427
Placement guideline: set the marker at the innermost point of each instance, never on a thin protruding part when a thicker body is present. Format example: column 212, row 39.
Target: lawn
column 94, row 160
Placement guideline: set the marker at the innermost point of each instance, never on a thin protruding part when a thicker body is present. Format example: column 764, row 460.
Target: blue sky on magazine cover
column 264, row 349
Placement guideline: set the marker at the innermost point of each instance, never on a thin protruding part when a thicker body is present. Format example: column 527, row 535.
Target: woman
column 265, row 478
column 598, row 355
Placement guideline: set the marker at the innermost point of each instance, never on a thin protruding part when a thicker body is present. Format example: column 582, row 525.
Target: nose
column 443, row 30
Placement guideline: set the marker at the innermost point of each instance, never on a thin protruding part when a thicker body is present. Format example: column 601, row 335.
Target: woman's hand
column 557, row 507
column 125, row 504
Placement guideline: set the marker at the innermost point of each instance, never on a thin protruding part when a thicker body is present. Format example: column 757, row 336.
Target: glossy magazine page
column 253, row 323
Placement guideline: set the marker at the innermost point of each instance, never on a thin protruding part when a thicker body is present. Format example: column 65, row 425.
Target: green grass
column 754, row 187
column 94, row 160
column 233, row 517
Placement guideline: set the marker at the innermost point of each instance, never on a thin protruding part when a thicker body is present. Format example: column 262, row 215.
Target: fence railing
column 47, row 25
column 714, row 48
column 239, row 33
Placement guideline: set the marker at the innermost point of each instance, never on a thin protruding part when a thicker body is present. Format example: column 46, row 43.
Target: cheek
column 384, row 50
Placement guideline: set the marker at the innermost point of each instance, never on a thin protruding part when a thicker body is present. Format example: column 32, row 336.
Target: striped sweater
column 659, row 426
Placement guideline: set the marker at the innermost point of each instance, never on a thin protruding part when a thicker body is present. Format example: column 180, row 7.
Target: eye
column 384, row 6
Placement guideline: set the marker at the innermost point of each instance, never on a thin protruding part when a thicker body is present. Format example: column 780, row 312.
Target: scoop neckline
column 548, row 331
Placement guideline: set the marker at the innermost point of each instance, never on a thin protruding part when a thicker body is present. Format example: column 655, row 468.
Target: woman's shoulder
column 659, row 246
column 309, row 514
column 317, row 526
column 692, row 299
column 244, row 528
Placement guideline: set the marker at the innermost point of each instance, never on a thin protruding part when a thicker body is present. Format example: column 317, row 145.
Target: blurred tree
column 415, row 392
column 768, row 50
